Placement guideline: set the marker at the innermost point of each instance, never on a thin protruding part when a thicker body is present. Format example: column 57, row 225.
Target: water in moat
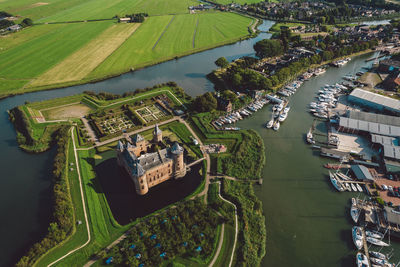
column 295, row 194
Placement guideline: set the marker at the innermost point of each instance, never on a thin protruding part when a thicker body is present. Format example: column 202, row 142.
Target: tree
column 27, row 22
column 222, row 62
column 268, row 48
column 205, row 103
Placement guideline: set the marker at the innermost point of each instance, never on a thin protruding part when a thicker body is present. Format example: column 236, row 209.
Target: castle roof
column 120, row 145
column 157, row 130
column 176, row 149
column 137, row 169
column 137, row 138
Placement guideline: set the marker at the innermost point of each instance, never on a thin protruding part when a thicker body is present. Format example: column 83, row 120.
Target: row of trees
column 179, row 231
column 138, row 17
column 62, row 220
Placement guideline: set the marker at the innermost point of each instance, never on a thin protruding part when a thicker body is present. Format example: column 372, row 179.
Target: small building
column 124, row 20
column 14, row 28
column 389, row 65
column 224, row 105
column 392, row 82
column 391, row 152
column 361, row 172
column 392, row 167
column 374, row 101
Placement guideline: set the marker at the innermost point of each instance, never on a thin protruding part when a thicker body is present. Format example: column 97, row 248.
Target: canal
column 307, row 222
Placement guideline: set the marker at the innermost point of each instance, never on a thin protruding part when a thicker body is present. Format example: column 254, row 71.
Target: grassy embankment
column 245, row 155
column 56, row 55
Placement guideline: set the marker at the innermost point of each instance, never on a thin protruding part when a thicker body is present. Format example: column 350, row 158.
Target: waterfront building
column 374, row 101
column 148, row 169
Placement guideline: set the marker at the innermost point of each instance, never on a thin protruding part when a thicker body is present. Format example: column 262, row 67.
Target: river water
column 295, row 194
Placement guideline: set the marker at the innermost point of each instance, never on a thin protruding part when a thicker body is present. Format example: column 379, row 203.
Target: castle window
column 141, row 181
column 142, row 187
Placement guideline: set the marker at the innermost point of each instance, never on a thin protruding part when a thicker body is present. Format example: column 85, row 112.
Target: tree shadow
column 121, row 195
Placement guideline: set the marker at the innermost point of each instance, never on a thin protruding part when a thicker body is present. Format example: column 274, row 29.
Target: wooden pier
column 365, row 245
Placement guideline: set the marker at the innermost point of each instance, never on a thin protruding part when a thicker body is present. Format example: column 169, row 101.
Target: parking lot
column 385, row 194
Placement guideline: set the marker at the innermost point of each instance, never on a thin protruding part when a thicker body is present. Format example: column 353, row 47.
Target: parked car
column 384, row 187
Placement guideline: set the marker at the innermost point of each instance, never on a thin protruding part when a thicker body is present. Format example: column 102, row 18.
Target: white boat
column 335, row 182
column 343, row 176
column 348, row 187
column 353, row 201
column 355, row 213
column 359, row 188
column 276, row 126
column 376, row 235
column 357, row 236
column 377, row 255
column 286, row 110
column 310, row 139
column 353, row 187
column 377, row 261
column 362, row 260
column 376, row 242
column 282, row 117
column 270, row 124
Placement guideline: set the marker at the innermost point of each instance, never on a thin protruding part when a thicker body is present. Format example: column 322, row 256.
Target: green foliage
column 191, row 222
column 252, row 235
column 222, row 62
column 205, row 103
column 268, row 48
column 27, row 22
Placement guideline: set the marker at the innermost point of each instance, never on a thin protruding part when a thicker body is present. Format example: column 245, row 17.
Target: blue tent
column 153, row 237
column 201, row 234
column 138, row 256
column 185, row 244
column 198, row 249
column 162, row 255
column 141, row 265
column 109, row 260
column 158, row 245
column 132, row 246
column 164, row 221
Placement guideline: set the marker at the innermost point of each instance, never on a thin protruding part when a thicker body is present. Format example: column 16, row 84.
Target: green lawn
column 71, row 10
column 143, row 49
column 33, row 57
column 242, row 2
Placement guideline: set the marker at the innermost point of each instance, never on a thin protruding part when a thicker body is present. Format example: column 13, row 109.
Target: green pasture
column 213, row 29
column 31, row 58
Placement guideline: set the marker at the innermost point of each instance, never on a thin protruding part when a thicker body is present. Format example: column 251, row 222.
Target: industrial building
column 374, row 101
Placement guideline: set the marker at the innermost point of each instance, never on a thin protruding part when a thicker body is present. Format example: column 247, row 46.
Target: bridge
column 195, row 162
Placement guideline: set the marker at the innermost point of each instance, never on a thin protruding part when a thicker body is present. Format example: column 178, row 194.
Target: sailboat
column 353, row 187
column 270, row 124
column 359, row 188
column 357, row 236
column 362, row 260
column 355, row 213
column 335, row 182
column 310, row 139
column 376, row 242
column 377, row 255
column 374, row 234
column 276, row 126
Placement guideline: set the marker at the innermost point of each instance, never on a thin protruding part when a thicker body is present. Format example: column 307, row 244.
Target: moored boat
column 362, row 260
column 270, row 124
column 359, row 188
column 376, row 242
column 348, row 187
column 335, row 182
column 377, row 254
column 353, row 187
column 276, row 126
column 310, row 139
column 357, row 236
column 355, row 213
column 374, row 234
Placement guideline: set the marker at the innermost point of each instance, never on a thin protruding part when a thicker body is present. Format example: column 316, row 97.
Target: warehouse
column 374, row 101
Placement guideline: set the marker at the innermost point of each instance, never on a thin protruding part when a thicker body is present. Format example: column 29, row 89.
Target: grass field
column 177, row 39
column 241, row 2
column 66, row 112
column 82, row 62
column 61, row 10
column 32, row 58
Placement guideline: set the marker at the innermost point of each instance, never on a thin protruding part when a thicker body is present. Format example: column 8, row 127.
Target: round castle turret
column 179, row 164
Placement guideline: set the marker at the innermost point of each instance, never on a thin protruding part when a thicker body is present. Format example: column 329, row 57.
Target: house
column 389, row 65
column 224, row 105
column 125, row 20
column 14, row 28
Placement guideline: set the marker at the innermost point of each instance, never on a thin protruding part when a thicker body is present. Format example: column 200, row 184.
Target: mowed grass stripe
column 32, row 58
column 154, row 46
column 195, row 31
column 78, row 65
column 135, row 50
column 178, row 37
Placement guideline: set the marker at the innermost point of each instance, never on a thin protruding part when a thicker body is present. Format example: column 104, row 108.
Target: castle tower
column 179, row 164
column 139, row 178
column 157, row 134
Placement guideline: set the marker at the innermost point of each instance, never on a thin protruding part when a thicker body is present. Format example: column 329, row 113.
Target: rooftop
column 376, row 98
column 392, row 152
column 361, row 172
column 371, row 127
column 373, row 117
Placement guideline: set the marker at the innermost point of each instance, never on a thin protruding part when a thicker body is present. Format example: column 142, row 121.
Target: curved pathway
column 222, row 236
column 83, row 203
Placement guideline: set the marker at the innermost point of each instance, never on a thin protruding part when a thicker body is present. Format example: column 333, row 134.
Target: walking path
column 83, row 203
column 236, row 232
column 221, row 241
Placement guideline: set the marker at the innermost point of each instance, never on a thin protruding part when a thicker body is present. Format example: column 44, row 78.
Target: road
column 83, row 204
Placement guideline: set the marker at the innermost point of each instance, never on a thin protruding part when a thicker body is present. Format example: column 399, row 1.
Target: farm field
column 162, row 38
column 32, row 58
column 82, row 62
column 241, row 2
column 61, row 10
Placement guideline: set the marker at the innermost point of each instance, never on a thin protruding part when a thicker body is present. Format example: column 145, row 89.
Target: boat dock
column 365, row 245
